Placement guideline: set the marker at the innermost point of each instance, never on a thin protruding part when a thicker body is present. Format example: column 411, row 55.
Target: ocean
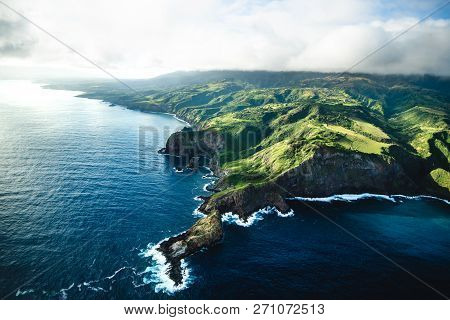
column 85, row 197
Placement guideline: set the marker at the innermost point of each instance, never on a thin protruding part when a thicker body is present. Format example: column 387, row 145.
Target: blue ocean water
column 84, row 197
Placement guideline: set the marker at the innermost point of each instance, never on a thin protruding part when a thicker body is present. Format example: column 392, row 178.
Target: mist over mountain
column 146, row 39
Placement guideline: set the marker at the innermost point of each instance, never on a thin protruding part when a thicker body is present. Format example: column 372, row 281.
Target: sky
column 142, row 39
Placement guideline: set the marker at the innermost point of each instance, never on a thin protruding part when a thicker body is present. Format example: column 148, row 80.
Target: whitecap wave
column 181, row 120
column 205, row 187
column 362, row 196
column 170, row 114
column 212, row 178
column 198, row 213
column 89, row 286
column 64, row 291
column 209, row 176
column 94, row 285
column 158, row 272
column 115, row 273
column 210, row 173
column 345, row 197
column 419, row 197
column 26, row 291
column 288, row 214
column 232, row 218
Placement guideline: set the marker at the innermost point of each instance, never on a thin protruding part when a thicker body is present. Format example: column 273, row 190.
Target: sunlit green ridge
column 294, row 114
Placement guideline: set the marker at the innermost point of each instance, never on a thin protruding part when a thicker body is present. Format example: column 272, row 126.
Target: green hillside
column 272, row 122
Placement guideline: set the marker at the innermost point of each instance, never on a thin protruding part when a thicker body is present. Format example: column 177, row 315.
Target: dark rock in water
column 203, row 234
column 162, row 151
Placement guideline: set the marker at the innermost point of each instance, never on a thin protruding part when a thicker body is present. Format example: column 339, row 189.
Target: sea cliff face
column 327, row 172
column 192, row 143
column 195, row 148
column 330, row 171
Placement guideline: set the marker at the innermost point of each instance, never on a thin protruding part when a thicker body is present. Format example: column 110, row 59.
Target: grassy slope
column 442, row 177
column 360, row 113
column 293, row 122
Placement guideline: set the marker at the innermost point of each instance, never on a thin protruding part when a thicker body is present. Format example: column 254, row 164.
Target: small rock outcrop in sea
column 203, row 234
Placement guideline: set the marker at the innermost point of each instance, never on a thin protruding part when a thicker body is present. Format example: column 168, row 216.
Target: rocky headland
column 269, row 136
column 329, row 171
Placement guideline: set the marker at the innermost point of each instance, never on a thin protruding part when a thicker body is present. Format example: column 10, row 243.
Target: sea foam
column 355, row 197
column 94, row 285
column 21, row 293
column 210, row 176
column 115, row 273
column 64, row 291
column 158, row 272
column 205, row 187
column 198, row 213
column 231, row 218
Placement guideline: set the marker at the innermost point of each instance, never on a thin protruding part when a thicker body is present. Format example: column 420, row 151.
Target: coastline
column 363, row 196
column 168, row 113
column 243, row 248
column 173, row 269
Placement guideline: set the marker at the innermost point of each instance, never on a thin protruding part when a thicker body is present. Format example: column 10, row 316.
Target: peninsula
column 269, row 136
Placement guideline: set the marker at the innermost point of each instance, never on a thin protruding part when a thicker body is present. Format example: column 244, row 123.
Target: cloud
column 424, row 50
column 14, row 37
column 145, row 38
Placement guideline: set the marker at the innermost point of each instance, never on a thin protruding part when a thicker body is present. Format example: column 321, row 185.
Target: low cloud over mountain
column 146, row 38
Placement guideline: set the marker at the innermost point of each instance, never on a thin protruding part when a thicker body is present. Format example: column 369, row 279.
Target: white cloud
column 145, row 38
column 15, row 39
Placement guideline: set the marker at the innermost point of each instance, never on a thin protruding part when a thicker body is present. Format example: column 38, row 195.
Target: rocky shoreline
column 292, row 136
column 204, row 233
column 328, row 172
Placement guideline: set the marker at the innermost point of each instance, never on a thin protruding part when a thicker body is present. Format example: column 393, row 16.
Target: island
column 270, row 136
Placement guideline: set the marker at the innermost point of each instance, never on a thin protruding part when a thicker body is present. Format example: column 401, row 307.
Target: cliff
column 328, row 172
column 194, row 148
